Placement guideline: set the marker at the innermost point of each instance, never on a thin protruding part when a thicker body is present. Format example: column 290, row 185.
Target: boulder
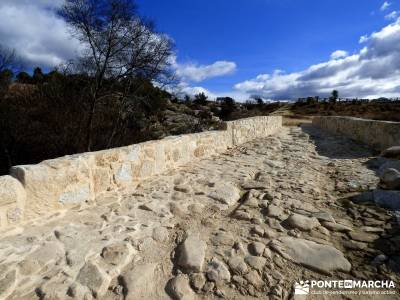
column 96, row 279
column 371, row 229
column 254, row 185
column 379, row 260
column 258, row 230
column 301, row 222
column 197, row 281
column 353, row 245
column 336, row 227
column 237, row 265
column 242, row 215
column 388, row 164
column 365, row 197
column 390, row 179
column 323, row 216
column 392, row 152
column 179, row 289
column 273, row 224
column 217, row 271
column 192, row 254
column 256, row 262
column 256, row 248
column 270, row 234
column 225, row 193
column 387, row 199
column 254, row 279
column 322, row 258
column 251, row 202
column 274, row 211
column 139, row 282
column 363, row 237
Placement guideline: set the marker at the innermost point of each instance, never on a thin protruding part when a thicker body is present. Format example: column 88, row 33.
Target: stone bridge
column 241, row 213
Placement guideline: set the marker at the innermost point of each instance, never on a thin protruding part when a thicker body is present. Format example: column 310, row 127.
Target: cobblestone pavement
column 247, row 224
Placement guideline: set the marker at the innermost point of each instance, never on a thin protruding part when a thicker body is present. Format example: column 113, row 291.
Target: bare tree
column 9, row 63
column 8, row 59
column 118, row 47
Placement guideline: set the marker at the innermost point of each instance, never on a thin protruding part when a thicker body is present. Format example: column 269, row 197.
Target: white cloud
column 183, row 88
column 373, row 72
column 385, row 6
column 392, row 16
column 36, row 32
column 339, row 54
column 197, row 73
column 363, row 39
column 40, row 3
column 188, row 73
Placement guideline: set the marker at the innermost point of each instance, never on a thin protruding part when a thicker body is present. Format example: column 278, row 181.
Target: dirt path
column 244, row 225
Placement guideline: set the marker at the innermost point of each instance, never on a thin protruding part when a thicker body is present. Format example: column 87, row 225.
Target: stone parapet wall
column 36, row 190
column 376, row 134
column 247, row 129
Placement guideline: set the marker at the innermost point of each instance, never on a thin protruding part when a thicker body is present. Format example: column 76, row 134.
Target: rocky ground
column 244, row 225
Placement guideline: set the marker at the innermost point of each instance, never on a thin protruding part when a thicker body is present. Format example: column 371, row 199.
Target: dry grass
column 296, row 120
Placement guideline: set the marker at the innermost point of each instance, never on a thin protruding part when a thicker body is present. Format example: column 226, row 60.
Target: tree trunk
column 89, row 126
column 113, row 133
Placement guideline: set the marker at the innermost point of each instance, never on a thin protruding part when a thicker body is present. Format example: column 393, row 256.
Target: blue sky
column 261, row 36
column 278, row 49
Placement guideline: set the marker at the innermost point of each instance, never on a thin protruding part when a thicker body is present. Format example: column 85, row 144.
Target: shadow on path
column 336, row 146
column 365, row 213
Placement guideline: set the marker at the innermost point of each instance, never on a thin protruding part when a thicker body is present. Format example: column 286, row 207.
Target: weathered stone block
column 122, row 173
column 53, row 184
column 14, row 215
column 11, row 191
column 102, row 179
column 147, row 169
column 75, row 194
